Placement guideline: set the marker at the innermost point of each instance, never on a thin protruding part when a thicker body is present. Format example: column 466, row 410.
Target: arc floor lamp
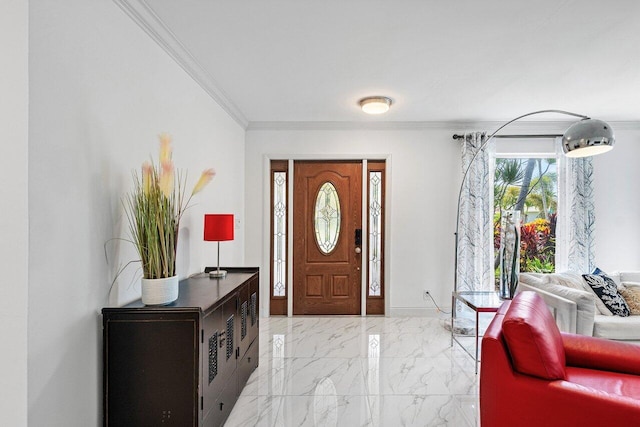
column 587, row 137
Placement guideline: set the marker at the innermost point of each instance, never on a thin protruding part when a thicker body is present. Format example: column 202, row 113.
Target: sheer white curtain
column 475, row 232
column 575, row 228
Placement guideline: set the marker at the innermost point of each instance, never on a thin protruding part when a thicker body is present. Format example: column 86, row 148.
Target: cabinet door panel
column 227, row 345
column 243, row 319
column 212, row 354
column 224, row 404
column 247, row 365
column 143, row 389
column 254, row 313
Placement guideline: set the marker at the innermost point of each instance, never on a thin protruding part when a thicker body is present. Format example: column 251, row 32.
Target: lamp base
column 216, row 274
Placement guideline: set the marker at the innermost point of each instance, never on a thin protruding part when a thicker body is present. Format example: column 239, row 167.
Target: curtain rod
column 457, row 136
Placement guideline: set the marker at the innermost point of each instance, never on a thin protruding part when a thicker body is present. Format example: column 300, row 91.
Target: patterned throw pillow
column 605, row 288
column 631, row 295
column 600, row 306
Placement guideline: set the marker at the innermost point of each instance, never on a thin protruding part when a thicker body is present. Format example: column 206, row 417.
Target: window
column 327, row 218
column 528, row 181
column 375, row 232
column 375, row 242
column 279, row 182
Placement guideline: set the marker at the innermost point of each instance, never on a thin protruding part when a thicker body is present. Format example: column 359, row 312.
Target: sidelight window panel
column 279, row 233
column 375, row 232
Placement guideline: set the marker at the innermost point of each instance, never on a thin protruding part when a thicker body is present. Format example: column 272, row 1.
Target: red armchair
column 534, row 375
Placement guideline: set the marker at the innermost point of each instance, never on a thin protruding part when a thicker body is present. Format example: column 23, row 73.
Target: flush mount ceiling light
column 375, row 104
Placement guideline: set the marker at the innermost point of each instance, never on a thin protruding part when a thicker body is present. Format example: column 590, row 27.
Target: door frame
column 265, row 288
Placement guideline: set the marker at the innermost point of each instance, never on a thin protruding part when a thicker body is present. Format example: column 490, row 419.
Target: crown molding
column 338, row 125
column 142, row 14
column 531, row 126
column 625, row 125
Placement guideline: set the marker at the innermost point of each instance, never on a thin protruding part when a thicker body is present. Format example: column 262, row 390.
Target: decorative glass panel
column 375, row 232
column 279, row 234
column 327, row 217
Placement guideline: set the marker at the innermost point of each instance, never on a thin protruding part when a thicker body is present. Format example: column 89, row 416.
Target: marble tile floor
column 358, row 371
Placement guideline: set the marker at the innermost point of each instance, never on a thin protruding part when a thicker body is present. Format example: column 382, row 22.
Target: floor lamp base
column 461, row 326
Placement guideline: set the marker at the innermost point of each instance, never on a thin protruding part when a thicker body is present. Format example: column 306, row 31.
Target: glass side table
column 479, row 302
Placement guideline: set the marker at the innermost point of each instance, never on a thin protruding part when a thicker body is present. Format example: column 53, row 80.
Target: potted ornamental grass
column 154, row 208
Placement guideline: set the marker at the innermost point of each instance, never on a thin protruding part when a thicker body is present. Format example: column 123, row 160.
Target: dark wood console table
column 183, row 364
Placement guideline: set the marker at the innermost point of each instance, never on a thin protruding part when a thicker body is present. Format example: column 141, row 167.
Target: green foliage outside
column 530, row 186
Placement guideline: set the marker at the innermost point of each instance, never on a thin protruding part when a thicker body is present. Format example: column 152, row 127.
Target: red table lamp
column 218, row 228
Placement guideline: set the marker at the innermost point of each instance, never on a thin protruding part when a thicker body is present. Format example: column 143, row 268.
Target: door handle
column 358, row 250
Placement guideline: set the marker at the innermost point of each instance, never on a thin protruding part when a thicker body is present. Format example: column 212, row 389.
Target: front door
column 327, row 234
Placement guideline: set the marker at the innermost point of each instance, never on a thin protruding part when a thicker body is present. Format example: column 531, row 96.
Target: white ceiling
column 440, row 61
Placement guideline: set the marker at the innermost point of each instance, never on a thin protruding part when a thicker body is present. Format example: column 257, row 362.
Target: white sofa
column 577, row 309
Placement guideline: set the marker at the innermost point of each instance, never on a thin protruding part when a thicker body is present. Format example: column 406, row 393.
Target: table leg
column 477, row 336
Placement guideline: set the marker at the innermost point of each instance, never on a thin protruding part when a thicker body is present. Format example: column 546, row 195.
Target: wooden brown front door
column 327, row 210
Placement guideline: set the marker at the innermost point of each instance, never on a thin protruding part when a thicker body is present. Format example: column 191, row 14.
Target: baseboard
column 418, row 312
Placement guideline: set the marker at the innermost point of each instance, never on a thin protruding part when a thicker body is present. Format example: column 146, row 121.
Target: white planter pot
column 159, row 291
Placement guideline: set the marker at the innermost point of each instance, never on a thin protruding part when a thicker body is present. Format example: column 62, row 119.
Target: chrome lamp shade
column 587, row 137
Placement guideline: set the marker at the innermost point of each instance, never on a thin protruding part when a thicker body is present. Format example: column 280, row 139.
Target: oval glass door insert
column 327, row 218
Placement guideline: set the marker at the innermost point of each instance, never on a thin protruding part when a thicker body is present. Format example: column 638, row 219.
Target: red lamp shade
column 218, row 227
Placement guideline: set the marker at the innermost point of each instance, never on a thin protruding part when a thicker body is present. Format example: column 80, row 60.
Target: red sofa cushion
column 533, row 339
column 605, row 381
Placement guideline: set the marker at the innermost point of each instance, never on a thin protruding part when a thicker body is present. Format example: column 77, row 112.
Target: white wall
column 14, row 115
column 617, row 177
column 101, row 91
column 425, row 179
